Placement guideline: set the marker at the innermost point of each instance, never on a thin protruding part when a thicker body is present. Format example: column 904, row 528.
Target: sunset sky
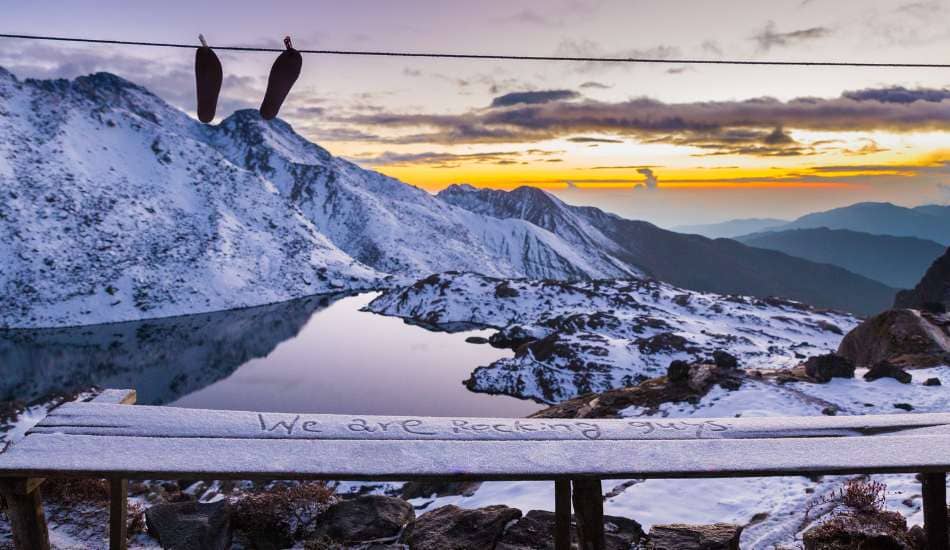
column 667, row 143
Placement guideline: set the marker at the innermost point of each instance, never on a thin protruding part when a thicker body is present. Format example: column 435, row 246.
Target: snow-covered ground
column 773, row 508
column 599, row 335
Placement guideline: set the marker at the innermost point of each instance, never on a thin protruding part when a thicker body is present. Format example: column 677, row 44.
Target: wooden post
column 935, row 511
column 562, row 514
column 589, row 512
column 118, row 514
column 25, row 510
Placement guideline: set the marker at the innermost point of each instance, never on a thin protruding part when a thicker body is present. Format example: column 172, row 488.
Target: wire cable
column 583, row 59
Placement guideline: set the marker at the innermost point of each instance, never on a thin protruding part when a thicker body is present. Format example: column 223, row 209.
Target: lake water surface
column 318, row 355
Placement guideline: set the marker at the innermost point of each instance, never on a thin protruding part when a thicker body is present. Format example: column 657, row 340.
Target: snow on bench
column 106, row 438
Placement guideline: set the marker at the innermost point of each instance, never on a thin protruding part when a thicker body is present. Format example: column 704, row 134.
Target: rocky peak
column 933, row 291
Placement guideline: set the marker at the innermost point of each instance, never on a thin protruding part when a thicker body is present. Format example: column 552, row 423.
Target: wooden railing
column 105, row 438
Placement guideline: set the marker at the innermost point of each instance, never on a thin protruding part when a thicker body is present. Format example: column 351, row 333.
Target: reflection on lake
column 319, row 354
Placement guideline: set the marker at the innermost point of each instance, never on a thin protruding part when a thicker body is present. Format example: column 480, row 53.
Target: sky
column 672, row 144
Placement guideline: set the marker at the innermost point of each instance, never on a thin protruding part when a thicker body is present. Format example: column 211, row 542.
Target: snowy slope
column 115, row 207
column 598, row 335
column 395, row 227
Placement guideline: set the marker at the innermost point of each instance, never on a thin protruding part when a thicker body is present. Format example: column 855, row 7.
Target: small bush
column 76, row 491
column 859, row 495
column 282, row 512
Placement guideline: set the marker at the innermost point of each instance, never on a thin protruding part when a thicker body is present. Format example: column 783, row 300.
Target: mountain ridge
column 895, row 261
column 690, row 261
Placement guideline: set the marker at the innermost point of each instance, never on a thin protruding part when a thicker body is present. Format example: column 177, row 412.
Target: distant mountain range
column 117, row 206
column 732, row 228
column 895, row 261
column 929, row 222
column 690, row 261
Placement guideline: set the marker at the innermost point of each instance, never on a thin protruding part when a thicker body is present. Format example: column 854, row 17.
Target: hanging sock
column 208, row 76
column 282, row 77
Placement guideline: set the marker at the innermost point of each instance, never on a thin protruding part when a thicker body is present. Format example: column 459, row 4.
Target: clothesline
column 501, row 57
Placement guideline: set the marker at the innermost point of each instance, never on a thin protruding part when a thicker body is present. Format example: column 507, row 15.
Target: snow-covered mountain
column 574, row 338
column 116, row 206
column 688, row 261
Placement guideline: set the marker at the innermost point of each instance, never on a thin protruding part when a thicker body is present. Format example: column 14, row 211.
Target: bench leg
column 118, row 514
column 562, row 514
column 589, row 511
column 25, row 510
column 935, row 511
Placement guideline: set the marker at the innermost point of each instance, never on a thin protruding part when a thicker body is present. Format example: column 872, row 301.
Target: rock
column 190, row 525
column 535, row 531
column 426, row 489
column 932, row 382
column 822, row 368
column 452, row 528
column 476, row 340
column 702, row 377
column 678, row 372
column 886, row 369
column 932, row 292
column 365, row 518
column 725, row 360
column 904, row 406
column 720, row 536
column 870, row 530
column 905, row 337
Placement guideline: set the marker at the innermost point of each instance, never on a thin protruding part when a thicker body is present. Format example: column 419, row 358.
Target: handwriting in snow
column 289, row 425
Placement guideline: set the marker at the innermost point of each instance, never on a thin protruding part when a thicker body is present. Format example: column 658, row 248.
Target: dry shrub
column 76, row 491
column 282, row 512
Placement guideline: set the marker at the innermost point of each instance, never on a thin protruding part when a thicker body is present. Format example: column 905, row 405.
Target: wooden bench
column 106, row 438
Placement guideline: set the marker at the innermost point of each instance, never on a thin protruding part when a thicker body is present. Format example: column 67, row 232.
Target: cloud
column 590, row 48
column 712, row 47
column 754, row 126
column 531, row 17
column 436, row 159
column 533, row 98
column 769, row 38
column 587, row 139
column 597, row 85
column 865, row 168
column 899, row 94
column 649, row 179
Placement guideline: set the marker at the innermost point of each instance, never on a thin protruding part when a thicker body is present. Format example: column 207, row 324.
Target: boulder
column 905, row 337
column 886, row 369
column 453, row 528
column 822, row 368
column 677, row 536
column 678, row 372
column 932, row 293
column 535, row 531
column 725, row 360
column 190, row 525
column 365, row 518
column 702, row 377
column 426, row 489
column 871, row 530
